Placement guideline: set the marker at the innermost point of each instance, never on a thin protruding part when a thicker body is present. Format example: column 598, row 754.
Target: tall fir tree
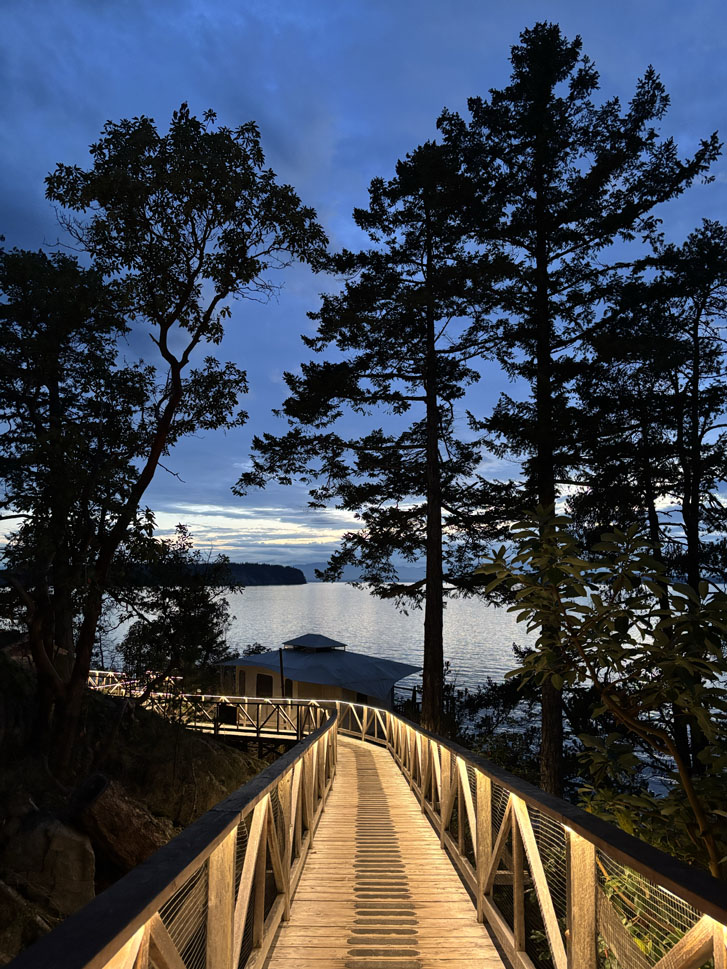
column 656, row 391
column 655, row 388
column 401, row 339
column 573, row 177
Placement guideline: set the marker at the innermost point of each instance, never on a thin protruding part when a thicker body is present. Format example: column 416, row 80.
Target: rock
column 20, row 923
column 51, row 863
column 17, row 807
column 122, row 828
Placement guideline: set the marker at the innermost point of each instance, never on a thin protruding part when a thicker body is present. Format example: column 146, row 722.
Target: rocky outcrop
column 121, row 828
column 50, row 863
column 21, row 923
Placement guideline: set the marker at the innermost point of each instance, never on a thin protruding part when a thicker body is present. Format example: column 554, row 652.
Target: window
column 264, row 684
column 288, row 687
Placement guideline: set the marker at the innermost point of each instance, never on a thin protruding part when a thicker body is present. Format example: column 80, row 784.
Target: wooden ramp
column 377, row 891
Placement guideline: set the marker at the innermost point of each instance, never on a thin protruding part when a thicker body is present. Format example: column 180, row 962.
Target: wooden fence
column 215, row 895
column 558, row 887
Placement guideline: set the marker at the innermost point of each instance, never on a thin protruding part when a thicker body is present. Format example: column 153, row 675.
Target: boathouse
column 314, row 667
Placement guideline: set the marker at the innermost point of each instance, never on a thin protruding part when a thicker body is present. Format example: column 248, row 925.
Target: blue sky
column 340, row 89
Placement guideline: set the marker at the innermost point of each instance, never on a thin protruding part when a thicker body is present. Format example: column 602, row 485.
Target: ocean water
column 478, row 638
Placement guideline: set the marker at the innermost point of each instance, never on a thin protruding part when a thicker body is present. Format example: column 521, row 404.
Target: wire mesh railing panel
column 185, row 917
column 248, row 942
column 537, row 945
column 654, row 917
column 500, row 797
column 550, row 837
column 243, row 834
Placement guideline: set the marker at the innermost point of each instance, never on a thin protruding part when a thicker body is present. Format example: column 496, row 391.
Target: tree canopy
column 400, row 338
column 175, row 225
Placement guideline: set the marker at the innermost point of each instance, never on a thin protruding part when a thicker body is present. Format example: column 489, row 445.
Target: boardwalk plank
column 377, row 891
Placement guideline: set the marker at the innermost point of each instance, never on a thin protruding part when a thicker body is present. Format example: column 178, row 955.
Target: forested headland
column 236, row 573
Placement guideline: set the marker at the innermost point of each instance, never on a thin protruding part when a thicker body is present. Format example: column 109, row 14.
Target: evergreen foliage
column 400, row 337
column 570, row 177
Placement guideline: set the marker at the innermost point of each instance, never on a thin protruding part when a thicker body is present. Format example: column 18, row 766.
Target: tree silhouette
column 572, row 177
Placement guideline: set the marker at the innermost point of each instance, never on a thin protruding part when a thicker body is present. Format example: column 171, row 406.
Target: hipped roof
column 371, row 675
column 314, row 641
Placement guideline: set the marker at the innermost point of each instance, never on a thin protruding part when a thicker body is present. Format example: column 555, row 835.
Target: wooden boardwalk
column 377, row 891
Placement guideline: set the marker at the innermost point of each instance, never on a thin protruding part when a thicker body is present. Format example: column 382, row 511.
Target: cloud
column 275, row 534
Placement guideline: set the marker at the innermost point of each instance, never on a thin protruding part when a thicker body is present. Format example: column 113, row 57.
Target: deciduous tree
column 180, row 223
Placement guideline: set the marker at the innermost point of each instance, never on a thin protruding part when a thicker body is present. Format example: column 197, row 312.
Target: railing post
column 298, row 815
column 258, row 913
column 484, row 837
column 720, row 946
column 446, row 793
column 518, row 888
column 460, row 809
column 425, row 759
column 410, row 738
column 221, row 903
column 309, row 780
column 322, row 753
column 285, row 793
column 581, row 873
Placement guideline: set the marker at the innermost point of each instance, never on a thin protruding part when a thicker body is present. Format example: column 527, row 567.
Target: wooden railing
column 557, row 886
column 214, row 896
column 259, row 717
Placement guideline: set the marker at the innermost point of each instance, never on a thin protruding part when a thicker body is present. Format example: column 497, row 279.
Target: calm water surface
column 477, row 638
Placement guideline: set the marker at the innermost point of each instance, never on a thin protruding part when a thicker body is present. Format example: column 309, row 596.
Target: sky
column 341, row 89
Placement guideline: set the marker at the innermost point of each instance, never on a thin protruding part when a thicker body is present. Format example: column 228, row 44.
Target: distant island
column 249, row 573
column 407, row 573
column 236, row 573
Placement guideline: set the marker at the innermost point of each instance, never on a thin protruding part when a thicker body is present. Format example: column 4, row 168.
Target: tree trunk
column 68, row 726
column 433, row 675
column 551, row 698
column 691, row 513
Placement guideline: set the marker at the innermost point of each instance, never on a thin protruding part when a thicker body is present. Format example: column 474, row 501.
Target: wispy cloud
column 268, row 533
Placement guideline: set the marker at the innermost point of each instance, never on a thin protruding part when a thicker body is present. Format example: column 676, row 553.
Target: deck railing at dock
column 557, row 886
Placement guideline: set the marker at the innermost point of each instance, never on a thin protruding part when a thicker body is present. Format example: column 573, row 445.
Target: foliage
column 175, row 225
column 555, row 179
column 654, row 400
column 181, row 622
column 651, row 649
column 399, row 339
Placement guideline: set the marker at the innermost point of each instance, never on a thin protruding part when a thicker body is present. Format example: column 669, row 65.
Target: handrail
column 540, row 868
column 214, row 874
column 522, row 852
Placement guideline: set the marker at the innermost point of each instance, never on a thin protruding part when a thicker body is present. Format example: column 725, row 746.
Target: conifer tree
column 572, row 177
column 656, row 388
column 400, row 340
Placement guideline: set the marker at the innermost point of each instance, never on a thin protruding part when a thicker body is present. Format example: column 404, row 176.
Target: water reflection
column 478, row 638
